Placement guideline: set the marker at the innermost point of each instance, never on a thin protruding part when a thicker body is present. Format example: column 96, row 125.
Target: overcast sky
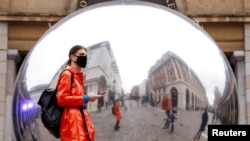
column 138, row 35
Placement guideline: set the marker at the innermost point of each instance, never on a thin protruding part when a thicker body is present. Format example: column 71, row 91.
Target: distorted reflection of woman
column 76, row 124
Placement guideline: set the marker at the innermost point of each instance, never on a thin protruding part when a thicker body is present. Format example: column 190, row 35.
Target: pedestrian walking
column 168, row 119
column 166, row 103
column 173, row 115
column 214, row 119
column 117, row 115
column 204, row 120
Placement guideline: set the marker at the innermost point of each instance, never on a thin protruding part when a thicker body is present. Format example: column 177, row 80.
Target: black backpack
column 51, row 112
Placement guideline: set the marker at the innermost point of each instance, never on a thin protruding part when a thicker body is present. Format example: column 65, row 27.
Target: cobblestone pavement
column 146, row 124
column 138, row 124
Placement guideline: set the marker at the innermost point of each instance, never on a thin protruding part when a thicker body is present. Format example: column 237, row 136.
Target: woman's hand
column 93, row 97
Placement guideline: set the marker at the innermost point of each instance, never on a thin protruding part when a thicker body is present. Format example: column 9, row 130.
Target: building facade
column 100, row 74
column 171, row 76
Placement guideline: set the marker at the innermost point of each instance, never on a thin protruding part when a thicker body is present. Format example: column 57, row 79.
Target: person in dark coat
column 203, row 125
column 168, row 119
column 173, row 115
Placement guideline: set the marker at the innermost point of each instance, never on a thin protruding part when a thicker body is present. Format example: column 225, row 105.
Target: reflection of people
column 165, row 103
column 144, row 100
column 99, row 106
column 168, row 113
column 214, row 120
column 173, row 115
column 166, row 106
column 204, row 120
column 100, row 103
column 117, row 115
column 72, row 125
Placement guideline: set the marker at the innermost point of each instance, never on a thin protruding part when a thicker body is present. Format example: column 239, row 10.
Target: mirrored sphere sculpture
column 143, row 54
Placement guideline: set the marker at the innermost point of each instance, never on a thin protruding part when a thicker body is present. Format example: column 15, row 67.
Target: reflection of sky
column 138, row 35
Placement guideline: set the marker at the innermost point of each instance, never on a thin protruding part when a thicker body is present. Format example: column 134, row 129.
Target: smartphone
column 102, row 93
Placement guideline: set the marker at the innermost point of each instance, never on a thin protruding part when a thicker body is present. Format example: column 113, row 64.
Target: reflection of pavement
column 138, row 124
column 145, row 124
column 44, row 134
column 31, row 132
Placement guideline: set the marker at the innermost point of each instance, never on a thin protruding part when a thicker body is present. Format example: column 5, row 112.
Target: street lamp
column 114, row 84
column 114, row 90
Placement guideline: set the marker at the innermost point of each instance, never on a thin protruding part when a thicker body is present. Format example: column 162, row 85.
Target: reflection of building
column 217, row 96
column 142, row 88
column 101, row 74
column 172, row 76
column 138, row 90
column 227, row 107
column 135, row 92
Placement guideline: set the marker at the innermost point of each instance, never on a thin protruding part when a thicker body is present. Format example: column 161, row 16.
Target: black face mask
column 81, row 61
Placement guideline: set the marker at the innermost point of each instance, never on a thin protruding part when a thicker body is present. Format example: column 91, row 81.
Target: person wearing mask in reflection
column 117, row 115
column 72, row 97
column 204, row 120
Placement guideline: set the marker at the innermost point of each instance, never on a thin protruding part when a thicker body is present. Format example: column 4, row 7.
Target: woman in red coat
column 72, row 125
column 117, row 115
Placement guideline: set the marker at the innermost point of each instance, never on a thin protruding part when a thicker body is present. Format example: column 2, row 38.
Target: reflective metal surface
column 140, row 53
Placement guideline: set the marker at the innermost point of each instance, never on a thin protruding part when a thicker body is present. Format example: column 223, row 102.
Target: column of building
column 247, row 70
column 13, row 58
column 3, row 72
column 237, row 60
column 8, row 71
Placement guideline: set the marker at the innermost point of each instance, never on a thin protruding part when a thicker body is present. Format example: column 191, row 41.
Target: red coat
column 117, row 111
column 166, row 102
column 71, row 124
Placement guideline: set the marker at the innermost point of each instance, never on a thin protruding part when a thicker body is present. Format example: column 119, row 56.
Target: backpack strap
column 85, row 124
column 72, row 78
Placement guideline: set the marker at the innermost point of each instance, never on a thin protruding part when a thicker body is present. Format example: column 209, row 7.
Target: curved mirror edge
column 26, row 112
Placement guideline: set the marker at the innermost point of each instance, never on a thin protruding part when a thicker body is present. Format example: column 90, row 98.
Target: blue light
column 30, row 105
column 25, row 107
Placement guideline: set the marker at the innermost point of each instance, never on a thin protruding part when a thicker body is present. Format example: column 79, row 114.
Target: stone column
column 13, row 58
column 247, row 70
column 3, row 72
column 238, row 60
